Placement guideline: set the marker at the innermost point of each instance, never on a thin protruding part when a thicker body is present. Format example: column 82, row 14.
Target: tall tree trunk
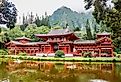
column 88, row 31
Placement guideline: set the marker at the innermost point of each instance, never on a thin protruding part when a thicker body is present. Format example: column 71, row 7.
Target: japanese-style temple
column 63, row 39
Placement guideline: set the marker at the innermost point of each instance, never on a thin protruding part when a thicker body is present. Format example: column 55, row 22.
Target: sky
column 42, row 6
column 49, row 6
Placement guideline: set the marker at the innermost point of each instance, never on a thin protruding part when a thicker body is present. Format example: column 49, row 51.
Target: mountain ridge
column 65, row 15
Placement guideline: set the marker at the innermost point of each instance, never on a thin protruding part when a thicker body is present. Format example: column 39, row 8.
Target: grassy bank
column 73, row 59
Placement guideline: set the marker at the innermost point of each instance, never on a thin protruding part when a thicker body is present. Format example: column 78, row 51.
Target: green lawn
column 78, row 59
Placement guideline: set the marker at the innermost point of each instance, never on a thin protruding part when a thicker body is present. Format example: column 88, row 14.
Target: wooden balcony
column 105, row 46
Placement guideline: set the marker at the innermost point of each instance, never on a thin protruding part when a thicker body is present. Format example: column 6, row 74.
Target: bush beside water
column 59, row 54
column 3, row 52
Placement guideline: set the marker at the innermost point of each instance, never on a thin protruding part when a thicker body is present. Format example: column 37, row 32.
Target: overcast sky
column 42, row 6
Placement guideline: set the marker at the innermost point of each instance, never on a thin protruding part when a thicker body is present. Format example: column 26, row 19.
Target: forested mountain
column 64, row 16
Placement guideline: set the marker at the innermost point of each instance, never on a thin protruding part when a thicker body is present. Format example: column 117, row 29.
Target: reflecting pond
column 28, row 71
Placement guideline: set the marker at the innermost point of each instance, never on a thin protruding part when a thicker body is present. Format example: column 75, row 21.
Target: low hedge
column 3, row 52
column 22, row 54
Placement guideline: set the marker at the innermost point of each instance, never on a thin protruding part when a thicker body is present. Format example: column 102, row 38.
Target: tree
column 109, row 16
column 31, row 17
column 33, row 29
column 24, row 19
column 30, row 31
column 99, row 8
column 57, row 27
column 44, row 21
column 37, row 21
column 25, row 23
column 3, row 37
column 77, row 29
column 88, row 30
column 8, row 14
column 15, row 33
column 95, row 31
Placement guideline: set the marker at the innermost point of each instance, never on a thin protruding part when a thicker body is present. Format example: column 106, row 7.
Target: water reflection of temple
column 87, row 66
column 67, row 71
column 56, row 70
column 29, row 65
column 105, row 71
column 108, row 67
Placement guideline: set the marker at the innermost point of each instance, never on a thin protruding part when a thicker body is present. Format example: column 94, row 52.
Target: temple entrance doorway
column 56, row 47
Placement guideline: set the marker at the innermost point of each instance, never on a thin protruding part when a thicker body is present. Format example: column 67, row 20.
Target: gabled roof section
column 23, row 38
column 104, row 33
column 103, row 39
column 29, row 43
column 85, row 42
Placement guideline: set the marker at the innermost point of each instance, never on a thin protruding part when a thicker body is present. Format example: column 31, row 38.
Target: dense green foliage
column 75, row 20
column 88, row 31
column 109, row 16
column 33, row 29
column 59, row 53
column 8, row 13
column 6, row 34
column 31, row 19
column 3, row 52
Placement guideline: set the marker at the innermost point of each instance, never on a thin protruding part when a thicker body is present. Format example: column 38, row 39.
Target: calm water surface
column 28, row 71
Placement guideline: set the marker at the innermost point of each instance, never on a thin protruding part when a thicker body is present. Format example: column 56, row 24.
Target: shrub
column 44, row 56
column 119, row 52
column 20, row 58
column 88, row 54
column 118, row 55
column 59, row 53
column 3, row 52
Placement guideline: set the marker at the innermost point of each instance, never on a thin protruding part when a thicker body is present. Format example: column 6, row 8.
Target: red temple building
column 63, row 39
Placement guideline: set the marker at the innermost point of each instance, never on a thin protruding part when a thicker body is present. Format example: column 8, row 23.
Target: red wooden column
column 99, row 52
column 15, row 51
column 112, row 52
column 81, row 52
column 69, row 49
column 40, row 49
column 44, row 48
column 50, row 49
column 65, row 49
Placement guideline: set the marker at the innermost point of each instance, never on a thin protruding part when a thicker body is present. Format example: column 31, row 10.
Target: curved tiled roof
column 58, row 32
column 45, row 35
column 85, row 42
column 23, row 38
column 28, row 43
column 104, row 33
